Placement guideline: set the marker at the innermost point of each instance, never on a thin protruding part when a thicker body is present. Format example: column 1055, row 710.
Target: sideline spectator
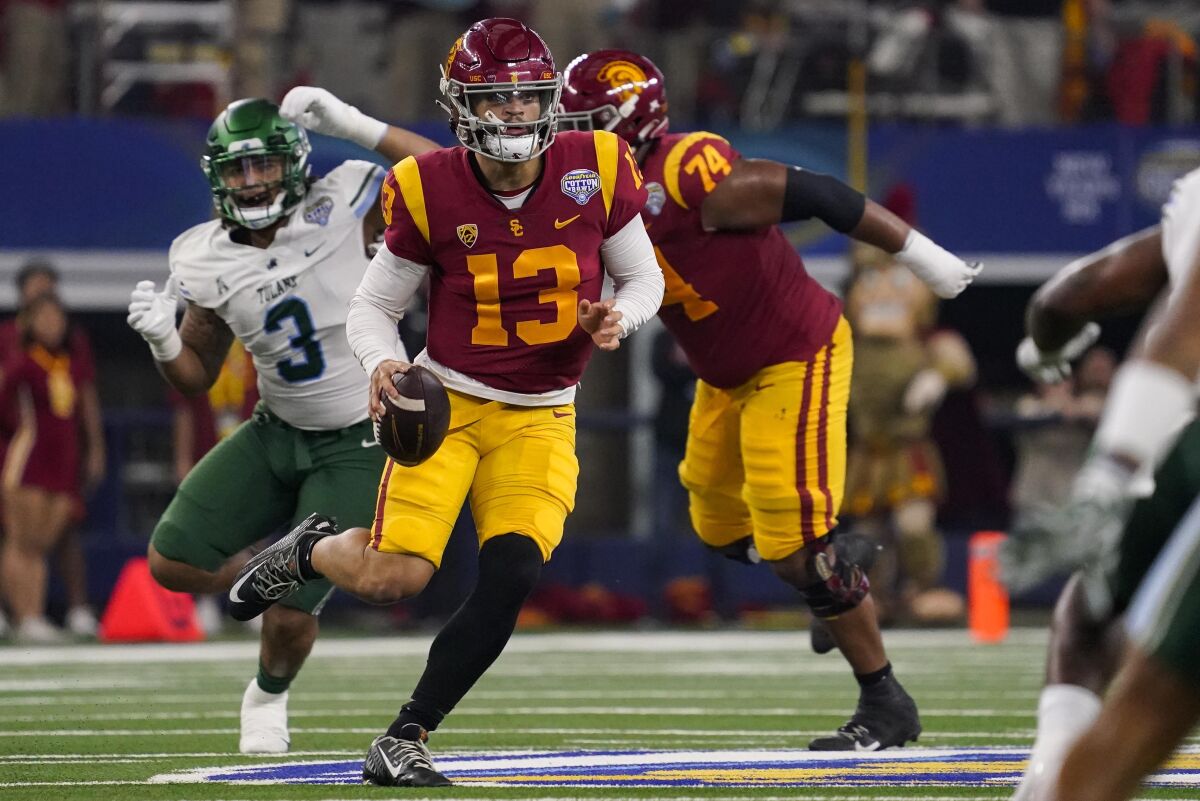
column 41, row 476
column 36, row 58
column 35, row 279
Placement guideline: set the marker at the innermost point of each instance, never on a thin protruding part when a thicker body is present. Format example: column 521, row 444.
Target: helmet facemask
column 493, row 137
column 259, row 175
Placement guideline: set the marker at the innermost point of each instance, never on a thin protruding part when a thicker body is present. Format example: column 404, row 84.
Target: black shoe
column 278, row 571
column 402, row 761
column 886, row 717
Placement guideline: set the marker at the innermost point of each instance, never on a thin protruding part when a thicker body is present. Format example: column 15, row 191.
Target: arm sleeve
column 814, row 194
column 386, row 290
column 629, row 258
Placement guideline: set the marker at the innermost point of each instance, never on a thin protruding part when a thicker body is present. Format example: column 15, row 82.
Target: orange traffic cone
column 140, row 610
column 987, row 598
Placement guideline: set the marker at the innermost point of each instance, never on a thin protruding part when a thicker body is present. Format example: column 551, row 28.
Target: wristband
column 927, row 259
column 366, row 131
column 1147, row 405
column 168, row 349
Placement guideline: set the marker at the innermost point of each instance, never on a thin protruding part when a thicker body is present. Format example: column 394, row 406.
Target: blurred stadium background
column 1022, row 133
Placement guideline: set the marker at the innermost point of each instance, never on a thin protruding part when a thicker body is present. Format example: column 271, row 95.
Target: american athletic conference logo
column 581, row 185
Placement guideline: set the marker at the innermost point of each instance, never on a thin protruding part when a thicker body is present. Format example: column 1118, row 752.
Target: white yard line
column 578, row 643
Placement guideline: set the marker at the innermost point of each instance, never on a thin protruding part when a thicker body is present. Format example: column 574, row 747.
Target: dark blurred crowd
column 759, row 64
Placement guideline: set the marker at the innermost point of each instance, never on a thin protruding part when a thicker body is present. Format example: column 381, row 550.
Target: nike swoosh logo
column 557, row 413
column 869, row 747
column 758, row 387
column 308, row 253
column 233, row 596
column 564, row 223
column 368, row 443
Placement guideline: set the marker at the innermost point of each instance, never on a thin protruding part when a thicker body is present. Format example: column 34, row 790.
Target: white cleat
column 264, row 721
column 81, row 622
column 37, row 631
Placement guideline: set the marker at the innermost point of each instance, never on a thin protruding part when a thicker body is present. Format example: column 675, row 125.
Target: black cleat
column 279, row 570
column 402, row 761
column 886, row 717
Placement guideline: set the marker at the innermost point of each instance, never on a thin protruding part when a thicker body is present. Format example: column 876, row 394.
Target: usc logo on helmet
column 624, row 77
column 454, row 48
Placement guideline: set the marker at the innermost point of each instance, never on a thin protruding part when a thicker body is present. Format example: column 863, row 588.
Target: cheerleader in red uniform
column 40, row 476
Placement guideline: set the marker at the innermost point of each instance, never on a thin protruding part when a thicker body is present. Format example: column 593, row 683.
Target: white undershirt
column 390, row 283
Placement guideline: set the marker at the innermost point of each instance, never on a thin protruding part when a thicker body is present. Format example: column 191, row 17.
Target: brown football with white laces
column 412, row 427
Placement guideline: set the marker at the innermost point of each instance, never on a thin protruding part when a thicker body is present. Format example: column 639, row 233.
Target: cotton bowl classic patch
column 910, row 767
column 580, row 185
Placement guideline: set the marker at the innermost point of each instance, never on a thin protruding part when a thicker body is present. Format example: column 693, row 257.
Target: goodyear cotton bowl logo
column 318, row 213
column 581, row 185
column 910, row 767
column 626, row 78
column 467, row 234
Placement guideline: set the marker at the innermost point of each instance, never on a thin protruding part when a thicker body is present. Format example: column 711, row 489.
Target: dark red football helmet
column 495, row 61
column 615, row 90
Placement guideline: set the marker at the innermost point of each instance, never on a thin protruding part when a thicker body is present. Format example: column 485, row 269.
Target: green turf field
column 129, row 722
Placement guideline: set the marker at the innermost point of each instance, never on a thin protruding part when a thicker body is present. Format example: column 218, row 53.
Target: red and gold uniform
column 43, row 389
column 42, row 461
column 766, row 445
column 503, row 296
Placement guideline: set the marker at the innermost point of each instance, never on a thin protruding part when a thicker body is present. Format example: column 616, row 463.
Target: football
column 413, row 427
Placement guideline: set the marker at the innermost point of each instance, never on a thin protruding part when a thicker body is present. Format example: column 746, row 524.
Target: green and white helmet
column 252, row 147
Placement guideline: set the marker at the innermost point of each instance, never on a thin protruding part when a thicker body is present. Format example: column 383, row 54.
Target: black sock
column 876, row 677
column 509, row 566
column 304, row 561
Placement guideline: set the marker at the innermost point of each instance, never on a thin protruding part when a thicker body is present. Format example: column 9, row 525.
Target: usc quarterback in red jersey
column 514, row 230
column 765, row 460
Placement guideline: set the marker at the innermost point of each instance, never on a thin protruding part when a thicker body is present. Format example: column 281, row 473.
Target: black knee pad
column 742, row 550
column 509, row 567
column 838, row 582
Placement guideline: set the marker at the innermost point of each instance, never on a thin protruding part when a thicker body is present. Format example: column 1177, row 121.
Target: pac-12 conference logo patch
column 581, row 185
column 909, row 767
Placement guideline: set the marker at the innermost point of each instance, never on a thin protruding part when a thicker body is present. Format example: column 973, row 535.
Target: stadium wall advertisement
column 105, row 197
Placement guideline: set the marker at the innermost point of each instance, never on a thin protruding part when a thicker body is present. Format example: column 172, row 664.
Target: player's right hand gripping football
column 1051, row 367
column 152, row 314
column 602, row 322
column 320, row 111
column 382, row 385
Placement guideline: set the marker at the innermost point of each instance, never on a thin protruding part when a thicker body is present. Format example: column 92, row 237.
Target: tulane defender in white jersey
column 276, row 270
column 1116, row 527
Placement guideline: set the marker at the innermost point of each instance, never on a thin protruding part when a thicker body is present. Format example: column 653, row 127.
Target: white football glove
column 1051, row 367
column 939, row 269
column 152, row 314
column 1083, row 533
column 322, row 112
column 924, row 391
